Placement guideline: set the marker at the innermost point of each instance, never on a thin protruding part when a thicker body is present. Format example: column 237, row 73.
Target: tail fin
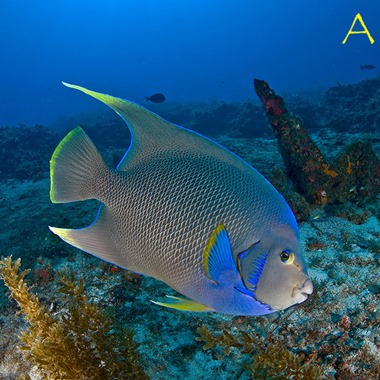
column 75, row 167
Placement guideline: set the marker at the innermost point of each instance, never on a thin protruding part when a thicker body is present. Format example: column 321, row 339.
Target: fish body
column 367, row 67
column 156, row 98
column 186, row 211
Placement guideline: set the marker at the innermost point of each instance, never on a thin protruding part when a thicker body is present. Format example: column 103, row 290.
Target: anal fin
column 95, row 239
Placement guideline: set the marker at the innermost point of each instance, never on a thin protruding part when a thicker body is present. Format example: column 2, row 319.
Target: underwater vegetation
column 270, row 360
column 79, row 342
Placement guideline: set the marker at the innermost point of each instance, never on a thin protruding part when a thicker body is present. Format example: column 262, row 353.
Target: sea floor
column 337, row 329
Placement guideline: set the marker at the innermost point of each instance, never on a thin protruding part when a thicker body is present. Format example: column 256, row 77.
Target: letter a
column 364, row 31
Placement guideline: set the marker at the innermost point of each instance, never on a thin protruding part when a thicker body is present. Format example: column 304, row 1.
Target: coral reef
column 353, row 176
column 81, row 342
column 24, row 151
column 352, row 107
column 238, row 119
column 308, row 111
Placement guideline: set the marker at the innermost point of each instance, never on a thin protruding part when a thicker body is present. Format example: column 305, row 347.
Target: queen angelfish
column 186, row 211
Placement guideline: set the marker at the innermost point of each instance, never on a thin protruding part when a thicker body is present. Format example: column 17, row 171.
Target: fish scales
column 168, row 212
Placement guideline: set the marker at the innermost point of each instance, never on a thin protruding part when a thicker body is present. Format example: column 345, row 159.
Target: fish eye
column 287, row 257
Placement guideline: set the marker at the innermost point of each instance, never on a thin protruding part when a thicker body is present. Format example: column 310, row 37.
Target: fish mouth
column 303, row 292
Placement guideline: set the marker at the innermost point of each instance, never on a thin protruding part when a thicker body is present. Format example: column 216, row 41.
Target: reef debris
column 354, row 175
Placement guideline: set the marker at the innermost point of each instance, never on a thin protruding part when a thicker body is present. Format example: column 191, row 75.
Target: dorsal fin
column 150, row 133
column 153, row 136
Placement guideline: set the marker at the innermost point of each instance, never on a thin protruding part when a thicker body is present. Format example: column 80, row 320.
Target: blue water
column 192, row 50
column 188, row 49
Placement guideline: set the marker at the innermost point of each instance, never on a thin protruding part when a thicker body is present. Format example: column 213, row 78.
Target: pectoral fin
column 183, row 304
column 217, row 257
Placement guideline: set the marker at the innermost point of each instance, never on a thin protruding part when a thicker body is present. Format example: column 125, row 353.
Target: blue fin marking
column 217, row 256
column 246, row 291
column 258, row 263
column 244, row 254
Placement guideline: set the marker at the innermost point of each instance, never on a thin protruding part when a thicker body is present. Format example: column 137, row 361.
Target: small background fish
column 367, row 67
column 156, row 98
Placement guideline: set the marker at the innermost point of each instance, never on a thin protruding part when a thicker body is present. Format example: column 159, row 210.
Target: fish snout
column 301, row 294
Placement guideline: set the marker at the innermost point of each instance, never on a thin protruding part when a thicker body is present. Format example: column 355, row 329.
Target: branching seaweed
column 247, row 344
column 81, row 342
column 271, row 360
column 277, row 362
